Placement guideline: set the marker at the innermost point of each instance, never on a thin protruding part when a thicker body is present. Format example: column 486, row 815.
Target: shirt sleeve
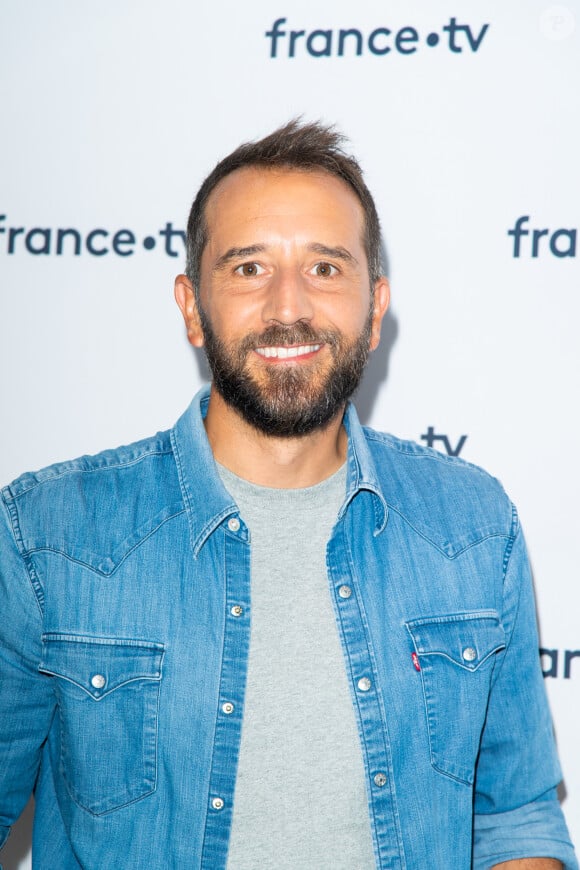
column 26, row 698
column 535, row 830
column 517, row 814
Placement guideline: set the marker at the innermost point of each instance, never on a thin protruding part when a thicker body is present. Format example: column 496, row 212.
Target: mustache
column 285, row 336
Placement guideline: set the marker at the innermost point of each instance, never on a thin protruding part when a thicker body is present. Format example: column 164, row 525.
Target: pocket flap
column 99, row 665
column 467, row 639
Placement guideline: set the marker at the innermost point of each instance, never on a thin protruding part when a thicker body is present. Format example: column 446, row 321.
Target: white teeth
column 287, row 352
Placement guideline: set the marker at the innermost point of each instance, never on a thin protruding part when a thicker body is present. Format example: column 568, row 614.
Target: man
column 269, row 638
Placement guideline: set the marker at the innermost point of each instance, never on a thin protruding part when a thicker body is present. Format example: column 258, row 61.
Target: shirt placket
column 229, row 713
column 369, row 708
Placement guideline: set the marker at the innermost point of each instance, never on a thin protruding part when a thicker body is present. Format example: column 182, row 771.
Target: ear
column 381, row 301
column 185, row 298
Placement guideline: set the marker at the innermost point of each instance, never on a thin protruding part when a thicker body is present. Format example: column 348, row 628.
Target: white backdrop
column 465, row 117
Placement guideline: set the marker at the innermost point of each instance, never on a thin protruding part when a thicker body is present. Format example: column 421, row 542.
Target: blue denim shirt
column 126, row 610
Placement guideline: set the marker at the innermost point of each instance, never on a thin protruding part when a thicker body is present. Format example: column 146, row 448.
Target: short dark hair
column 296, row 145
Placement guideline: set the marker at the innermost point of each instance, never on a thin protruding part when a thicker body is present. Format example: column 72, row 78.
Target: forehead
column 254, row 199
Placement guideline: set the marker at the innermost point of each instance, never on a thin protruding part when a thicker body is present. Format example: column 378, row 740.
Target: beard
column 289, row 400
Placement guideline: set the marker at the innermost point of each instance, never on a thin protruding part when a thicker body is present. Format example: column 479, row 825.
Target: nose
column 288, row 299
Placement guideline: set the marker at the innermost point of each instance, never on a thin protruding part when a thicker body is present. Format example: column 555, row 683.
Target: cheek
column 349, row 318
column 227, row 323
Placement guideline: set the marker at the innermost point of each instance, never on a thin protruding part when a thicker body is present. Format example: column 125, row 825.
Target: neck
column 284, row 463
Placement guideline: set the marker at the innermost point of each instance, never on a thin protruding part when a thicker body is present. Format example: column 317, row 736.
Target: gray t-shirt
column 300, row 799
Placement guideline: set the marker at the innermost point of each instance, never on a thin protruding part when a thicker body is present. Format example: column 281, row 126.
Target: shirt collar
column 208, row 502
column 361, row 472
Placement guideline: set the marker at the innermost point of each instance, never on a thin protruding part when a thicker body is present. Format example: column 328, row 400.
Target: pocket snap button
column 98, row 681
column 469, row 654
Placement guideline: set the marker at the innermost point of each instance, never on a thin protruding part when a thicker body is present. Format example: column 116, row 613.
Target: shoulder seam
column 418, row 451
column 16, row 533
column 68, row 469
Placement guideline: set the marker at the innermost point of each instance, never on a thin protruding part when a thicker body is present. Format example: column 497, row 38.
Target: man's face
column 286, row 313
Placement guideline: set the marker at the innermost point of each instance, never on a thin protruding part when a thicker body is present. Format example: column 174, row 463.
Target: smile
column 287, row 352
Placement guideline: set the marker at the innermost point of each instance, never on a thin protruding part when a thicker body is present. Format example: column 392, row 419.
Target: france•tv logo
column 97, row 242
column 533, row 242
column 352, row 42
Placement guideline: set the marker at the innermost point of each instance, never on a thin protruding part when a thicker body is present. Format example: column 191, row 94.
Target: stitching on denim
column 514, row 531
column 196, row 544
column 33, row 579
column 93, row 568
column 506, row 564
column 75, row 795
column 380, row 700
column 219, row 695
column 76, row 470
column 420, row 452
column 437, row 547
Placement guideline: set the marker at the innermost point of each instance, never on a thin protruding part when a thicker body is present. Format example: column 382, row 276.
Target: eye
column 249, row 270
column 325, row 270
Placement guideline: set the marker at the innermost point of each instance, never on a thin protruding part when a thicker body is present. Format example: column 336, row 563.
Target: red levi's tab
column 415, row 658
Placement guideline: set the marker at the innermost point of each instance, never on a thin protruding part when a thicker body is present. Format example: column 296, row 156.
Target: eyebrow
column 337, row 253
column 237, row 254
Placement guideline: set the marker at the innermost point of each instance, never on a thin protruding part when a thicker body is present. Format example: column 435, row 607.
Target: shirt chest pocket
column 456, row 654
column 107, row 694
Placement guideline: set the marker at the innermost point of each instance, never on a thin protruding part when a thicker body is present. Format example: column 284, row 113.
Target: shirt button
column 233, row 524
column 469, row 654
column 237, row 610
column 228, row 707
column 217, row 804
column 98, row 681
column 364, row 684
column 380, row 779
column 345, row 591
